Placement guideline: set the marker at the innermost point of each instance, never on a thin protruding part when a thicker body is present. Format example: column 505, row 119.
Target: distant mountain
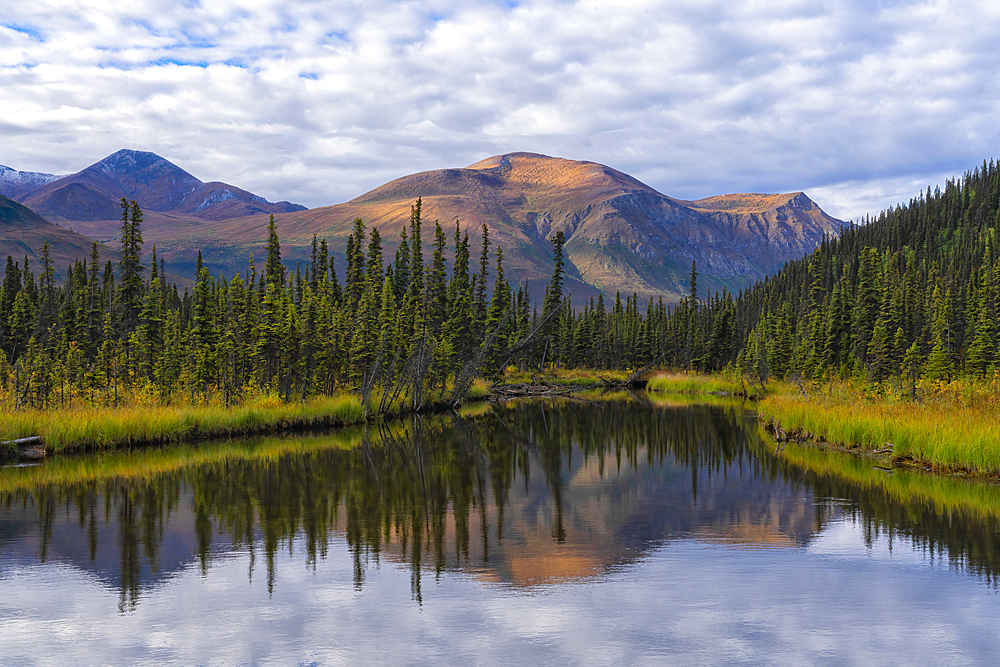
column 158, row 185
column 622, row 235
column 22, row 233
column 14, row 182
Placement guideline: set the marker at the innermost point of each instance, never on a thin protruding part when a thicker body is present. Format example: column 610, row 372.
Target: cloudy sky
column 860, row 103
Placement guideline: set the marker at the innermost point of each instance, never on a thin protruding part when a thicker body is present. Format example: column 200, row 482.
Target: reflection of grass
column 150, row 462
column 951, row 429
column 914, row 489
column 98, row 428
column 680, row 399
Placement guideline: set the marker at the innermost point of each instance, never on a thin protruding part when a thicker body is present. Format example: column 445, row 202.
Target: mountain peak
column 621, row 234
column 753, row 202
column 157, row 184
column 505, row 160
column 140, row 173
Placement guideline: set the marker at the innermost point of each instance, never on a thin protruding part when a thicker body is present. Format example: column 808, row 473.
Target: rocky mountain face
column 159, row 186
column 621, row 234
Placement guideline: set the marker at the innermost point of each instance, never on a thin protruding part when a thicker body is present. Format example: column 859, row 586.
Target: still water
column 632, row 531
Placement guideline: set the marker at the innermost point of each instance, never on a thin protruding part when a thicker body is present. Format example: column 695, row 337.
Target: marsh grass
column 946, row 494
column 953, row 427
column 144, row 419
column 128, row 465
column 688, row 383
column 104, row 427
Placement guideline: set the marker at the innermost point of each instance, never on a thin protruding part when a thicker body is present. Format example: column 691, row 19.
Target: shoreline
column 890, row 431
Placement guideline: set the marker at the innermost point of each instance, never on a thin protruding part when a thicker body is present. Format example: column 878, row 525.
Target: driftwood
column 536, row 389
column 27, row 448
column 884, row 450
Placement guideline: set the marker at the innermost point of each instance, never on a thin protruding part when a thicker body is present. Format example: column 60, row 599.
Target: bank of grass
column 692, row 383
column 139, row 464
column 947, row 495
column 97, row 428
column 89, row 428
column 661, row 381
column 952, row 427
column 569, row 377
column 146, row 463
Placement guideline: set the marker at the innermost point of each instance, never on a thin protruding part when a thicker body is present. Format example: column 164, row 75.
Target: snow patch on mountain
column 14, row 182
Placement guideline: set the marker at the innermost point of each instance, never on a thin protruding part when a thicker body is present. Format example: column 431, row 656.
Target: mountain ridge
column 621, row 234
column 14, row 182
column 93, row 193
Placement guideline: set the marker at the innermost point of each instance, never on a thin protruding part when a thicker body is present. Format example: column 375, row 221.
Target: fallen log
column 27, row 448
column 542, row 390
column 22, row 442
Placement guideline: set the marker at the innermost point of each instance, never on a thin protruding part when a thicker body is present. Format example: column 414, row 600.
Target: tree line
column 910, row 294
column 406, row 326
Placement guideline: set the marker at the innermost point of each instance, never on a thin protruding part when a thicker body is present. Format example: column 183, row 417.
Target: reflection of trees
column 435, row 493
column 970, row 543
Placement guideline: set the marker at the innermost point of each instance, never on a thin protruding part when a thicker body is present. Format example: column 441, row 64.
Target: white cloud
column 318, row 102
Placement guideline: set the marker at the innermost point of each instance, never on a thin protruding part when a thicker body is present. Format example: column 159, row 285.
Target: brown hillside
column 22, row 233
column 622, row 235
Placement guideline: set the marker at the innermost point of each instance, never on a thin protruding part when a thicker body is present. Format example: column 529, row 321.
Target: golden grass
column 954, row 428
column 142, row 419
column 150, row 462
column 947, row 494
column 98, row 428
column 574, row 377
column 691, row 383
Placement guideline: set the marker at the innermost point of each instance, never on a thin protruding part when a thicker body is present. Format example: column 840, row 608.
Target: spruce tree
column 130, row 268
column 274, row 270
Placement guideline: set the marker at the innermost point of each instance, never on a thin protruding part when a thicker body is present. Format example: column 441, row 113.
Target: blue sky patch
column 30, row 31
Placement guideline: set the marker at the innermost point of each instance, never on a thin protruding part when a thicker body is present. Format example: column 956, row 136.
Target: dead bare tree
column 471, row 368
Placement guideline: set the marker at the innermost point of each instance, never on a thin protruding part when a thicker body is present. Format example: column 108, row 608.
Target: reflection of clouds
column 691, row 602
column 319, row 104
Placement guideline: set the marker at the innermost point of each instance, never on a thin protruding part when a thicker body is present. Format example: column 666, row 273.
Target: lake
column 635, row 530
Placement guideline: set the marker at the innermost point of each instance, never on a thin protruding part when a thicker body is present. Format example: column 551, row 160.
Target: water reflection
column 525, row 495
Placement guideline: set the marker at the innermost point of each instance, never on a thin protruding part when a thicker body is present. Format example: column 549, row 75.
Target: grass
column 947, row 495
column 687, row 383
column 127, row 465
column 145, row 421
column 570, row 377
column 76, row 428
column 952, row 428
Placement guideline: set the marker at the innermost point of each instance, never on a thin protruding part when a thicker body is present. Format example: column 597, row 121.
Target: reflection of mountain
column 596, row 491
column 524, row 495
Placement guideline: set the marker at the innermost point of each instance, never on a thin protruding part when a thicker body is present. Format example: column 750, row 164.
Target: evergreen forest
column 910, row 295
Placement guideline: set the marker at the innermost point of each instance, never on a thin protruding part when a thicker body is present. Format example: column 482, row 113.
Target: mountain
column 159, row 186
column 22, row 233
column 621, row 234
column 14, row 183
